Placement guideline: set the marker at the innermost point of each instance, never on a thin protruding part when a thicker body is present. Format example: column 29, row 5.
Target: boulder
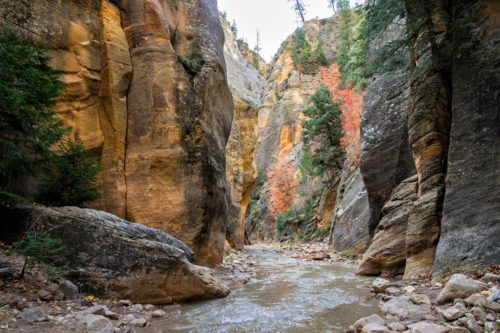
column 491, row 278
column 453, row 312
column 459, row 286
column 114, row 258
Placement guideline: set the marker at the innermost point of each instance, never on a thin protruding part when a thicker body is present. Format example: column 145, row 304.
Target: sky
column 274, row 18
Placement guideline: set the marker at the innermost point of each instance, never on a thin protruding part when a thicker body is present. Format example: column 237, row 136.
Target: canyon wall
column 438, row 119
column 247, row 85
column 146, row 88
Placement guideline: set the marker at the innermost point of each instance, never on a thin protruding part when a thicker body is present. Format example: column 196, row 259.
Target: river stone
column 69, row 290
column 44, row 295
column 425, row 327
column 479, row 313
column 98, row 310
column 459, row 286
column 90, row 323
column 453, row 312
column 33, row 315
column 375, row 328
column 158, row 314
column 373, row 319
column 379, row 285
column 397, row 326
column 491, row 278
column 405, row 309
column 420, row 298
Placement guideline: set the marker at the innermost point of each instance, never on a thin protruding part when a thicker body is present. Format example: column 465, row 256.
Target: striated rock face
column 386, row 254
column 448, row 115
column 161, row 131
column 246, row 84
column 350, row 222
column 470, row 222
column 155, row 270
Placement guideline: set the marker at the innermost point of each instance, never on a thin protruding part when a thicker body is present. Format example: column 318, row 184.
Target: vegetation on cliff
column 35, row 146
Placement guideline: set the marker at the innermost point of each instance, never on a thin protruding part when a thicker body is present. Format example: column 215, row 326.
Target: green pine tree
column 322, row 132
column 28, row 128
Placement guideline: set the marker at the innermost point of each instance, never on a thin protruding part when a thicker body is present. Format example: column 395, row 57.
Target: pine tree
column 28, row 127
column 332, row 5
column 300, row 9
column 322, row 132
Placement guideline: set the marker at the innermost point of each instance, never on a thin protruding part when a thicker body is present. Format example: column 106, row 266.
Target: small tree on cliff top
column 300, row 9
column 322, row 132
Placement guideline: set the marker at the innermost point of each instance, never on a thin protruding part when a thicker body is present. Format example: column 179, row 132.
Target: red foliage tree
column 282, row 186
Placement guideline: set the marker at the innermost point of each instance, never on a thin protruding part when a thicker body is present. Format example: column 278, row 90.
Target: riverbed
column 284, row 295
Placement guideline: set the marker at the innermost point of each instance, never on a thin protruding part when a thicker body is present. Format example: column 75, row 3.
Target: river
column 286, row 295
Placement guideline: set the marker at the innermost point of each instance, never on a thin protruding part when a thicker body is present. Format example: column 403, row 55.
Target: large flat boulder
column 111, row 257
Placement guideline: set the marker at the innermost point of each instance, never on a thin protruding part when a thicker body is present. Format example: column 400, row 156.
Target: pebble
column 137, row 308
column 397, row 326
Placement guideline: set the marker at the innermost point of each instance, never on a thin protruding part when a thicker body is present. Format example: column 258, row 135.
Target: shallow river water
column 287, row 295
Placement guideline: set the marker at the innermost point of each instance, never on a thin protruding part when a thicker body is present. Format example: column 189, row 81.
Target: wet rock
column 375, row 328
column 420, row 299
column 491, row 278
column 321, row 255
column 33, row 315
column 69, row 290
column 373, row 319
column 379, row 285
column 405, row 309
column 135, row 320
column 158, row 314
column 90, row 323
column 425, row 327
column 459, row 286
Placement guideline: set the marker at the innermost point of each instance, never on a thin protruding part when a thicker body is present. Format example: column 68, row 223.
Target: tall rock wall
column 146, row 88
column 247, row 85
column 444, row 106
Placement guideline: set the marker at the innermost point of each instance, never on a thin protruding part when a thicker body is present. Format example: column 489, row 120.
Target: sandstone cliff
column 145, row 88
column 435, row 118
column 246, row 84
column 279, row 139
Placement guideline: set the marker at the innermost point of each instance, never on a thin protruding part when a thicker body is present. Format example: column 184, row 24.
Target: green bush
column 42, row 248
column 71, row 181
column 303, row 55
column 193, row 63
column 28, row 127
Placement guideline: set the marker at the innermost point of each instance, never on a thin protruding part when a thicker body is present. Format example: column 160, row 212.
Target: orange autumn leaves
column 352, row 104
column 283, row 186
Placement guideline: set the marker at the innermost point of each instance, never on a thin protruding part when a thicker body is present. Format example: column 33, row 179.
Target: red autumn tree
column 282, row 186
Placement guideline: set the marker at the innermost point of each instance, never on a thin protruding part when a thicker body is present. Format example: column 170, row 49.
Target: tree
column 41, row 247
column 300, row 9
column 332, row 4
column 28, row 127
column 303, row 56
column 322, row 132
column 234, row 29
column 282, row 186
column 257, row 47
column 72, row 180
